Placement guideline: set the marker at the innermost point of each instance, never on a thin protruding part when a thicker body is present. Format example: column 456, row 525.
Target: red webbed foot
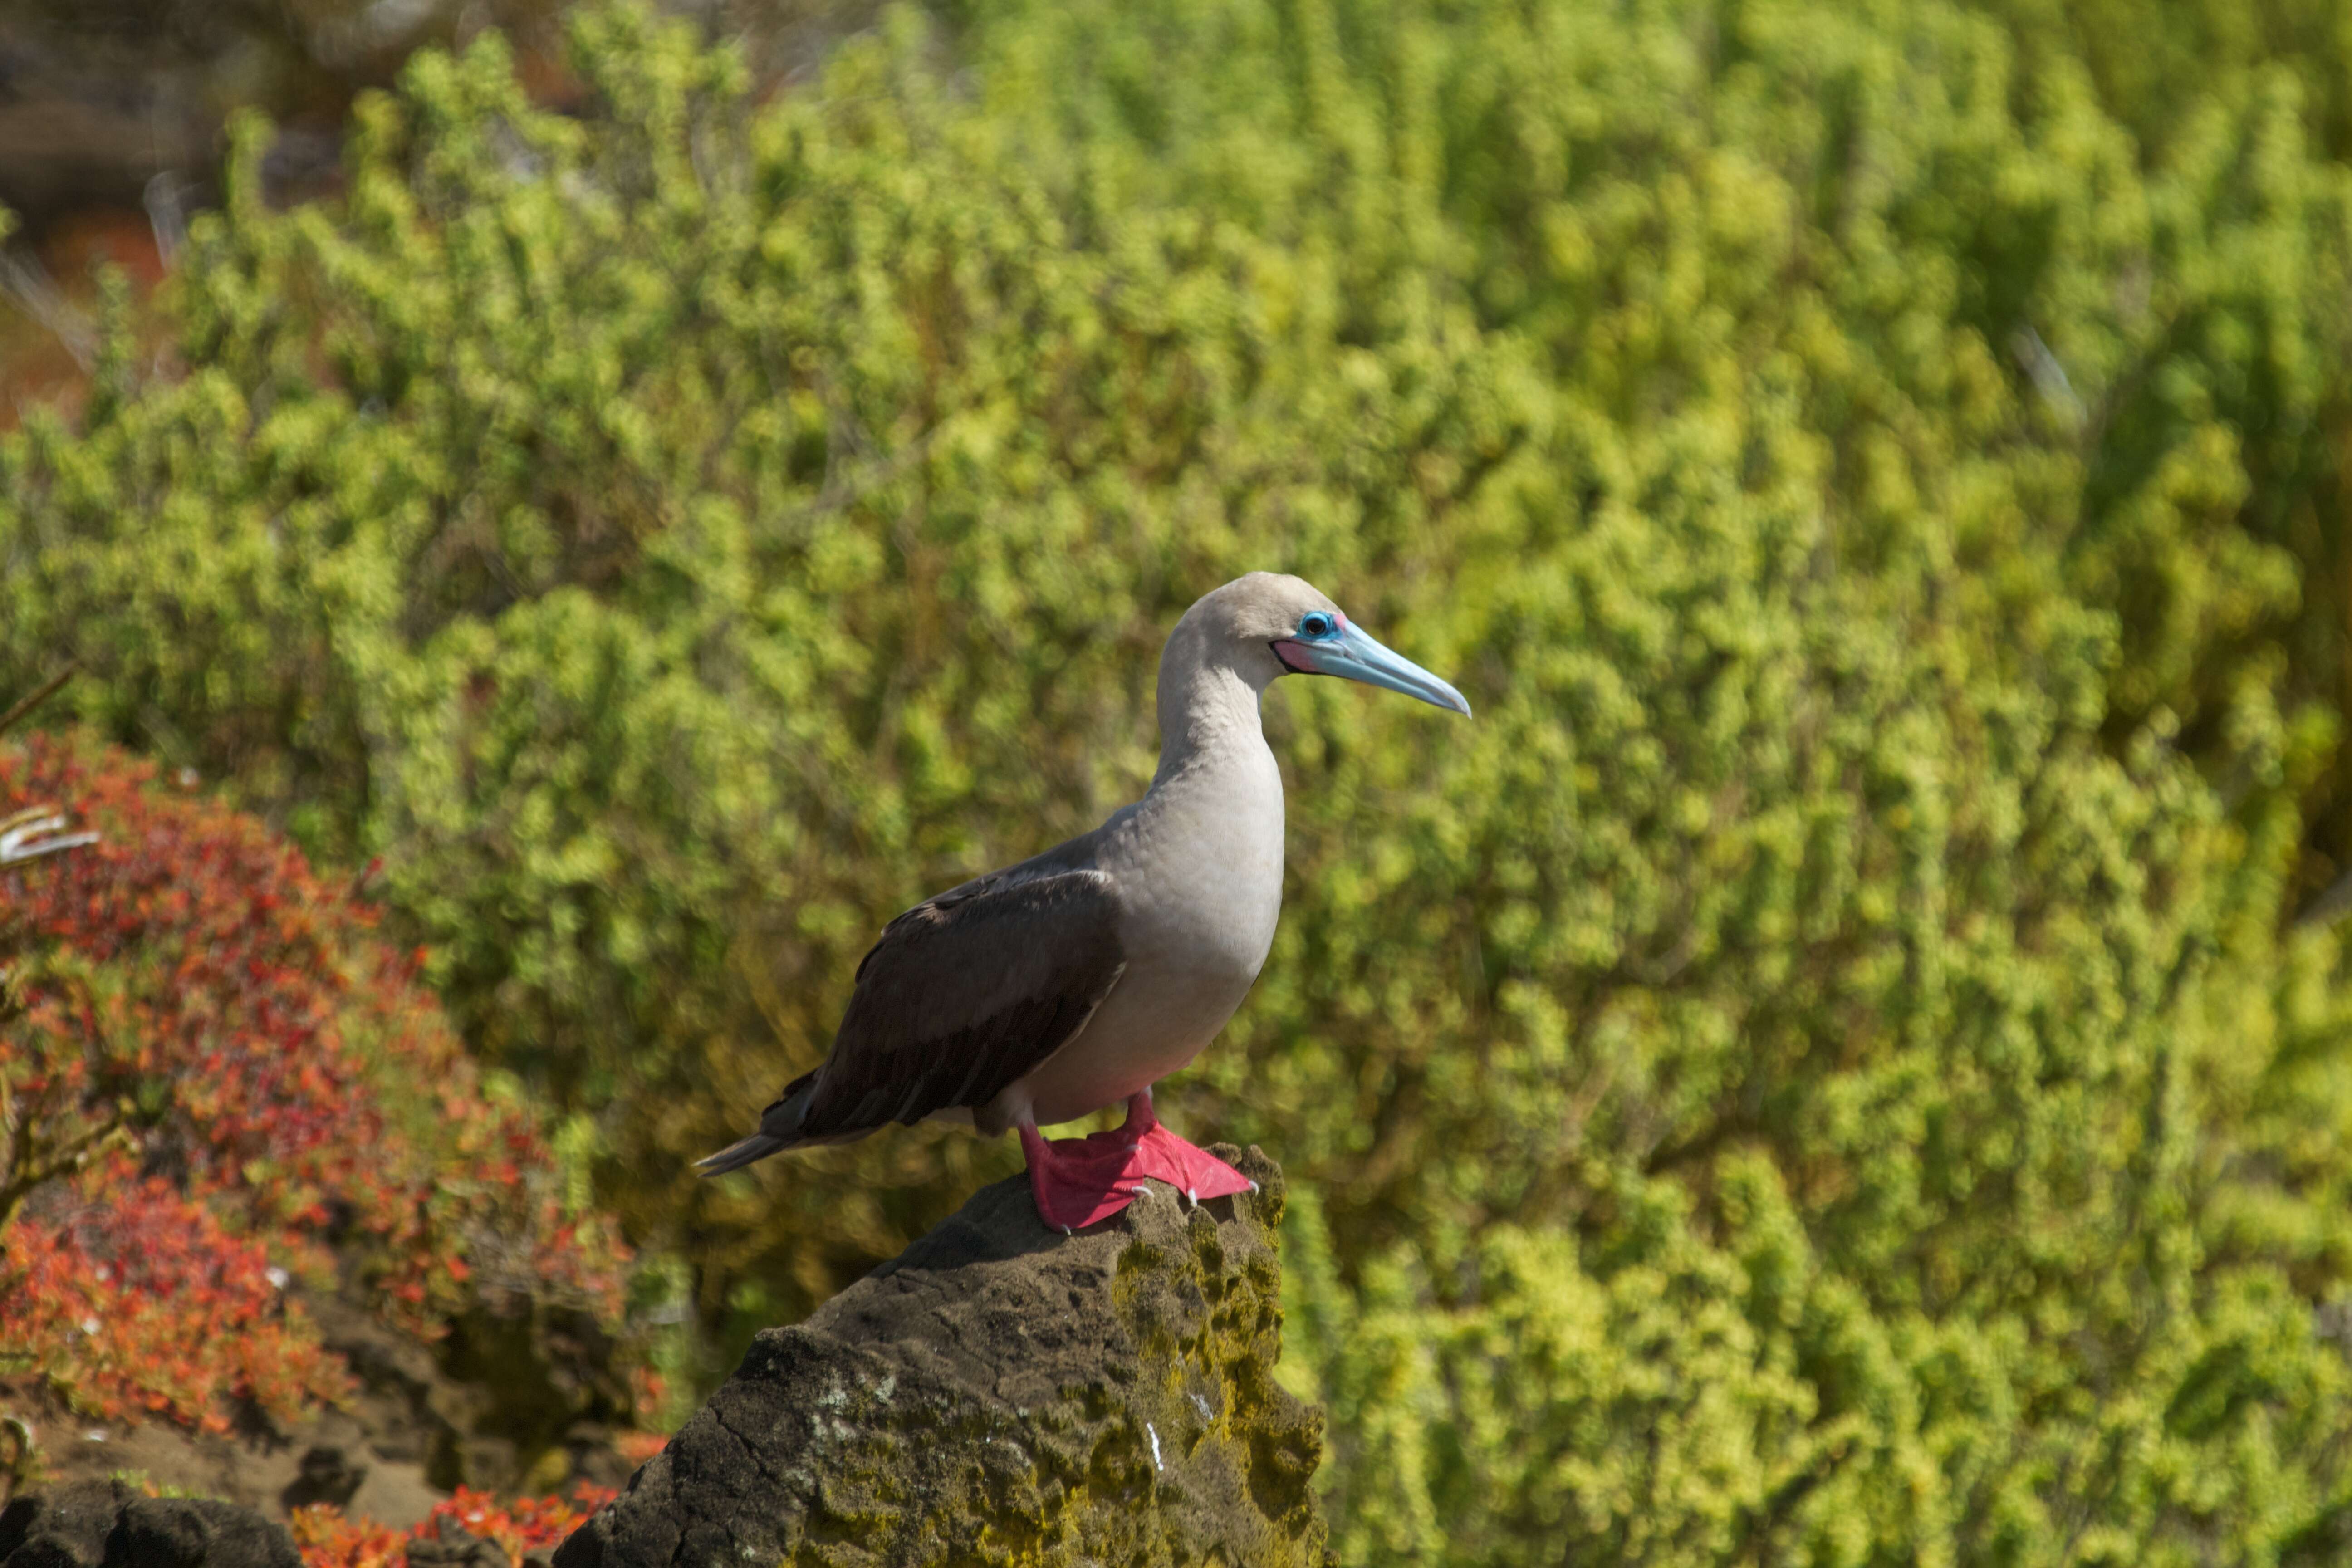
column 1080, row 1181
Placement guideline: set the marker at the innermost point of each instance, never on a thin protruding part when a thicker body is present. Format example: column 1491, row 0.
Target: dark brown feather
column 964, row 995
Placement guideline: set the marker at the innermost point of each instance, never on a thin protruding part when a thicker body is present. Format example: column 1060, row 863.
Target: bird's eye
column 1314, row 623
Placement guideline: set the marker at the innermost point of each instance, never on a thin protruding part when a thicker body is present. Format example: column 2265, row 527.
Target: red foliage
column 210, row 1071
column 328, row 1539
column 119, row 1292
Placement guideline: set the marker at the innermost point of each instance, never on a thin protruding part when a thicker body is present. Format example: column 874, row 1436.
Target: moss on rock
column 1002, row 1394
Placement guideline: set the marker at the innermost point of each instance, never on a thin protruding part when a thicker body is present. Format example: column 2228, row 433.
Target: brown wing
column 961, row 996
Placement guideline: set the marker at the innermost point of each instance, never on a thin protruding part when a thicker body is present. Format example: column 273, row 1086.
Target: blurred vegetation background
column 1848, row 1059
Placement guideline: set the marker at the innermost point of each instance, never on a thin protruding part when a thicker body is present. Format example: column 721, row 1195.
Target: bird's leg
column 1161, row 1155
column 1140, row 1120
column 1078, row 1181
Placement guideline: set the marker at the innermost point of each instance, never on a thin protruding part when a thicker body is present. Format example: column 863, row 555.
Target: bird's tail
column 740, row 1153
column 780, row 1125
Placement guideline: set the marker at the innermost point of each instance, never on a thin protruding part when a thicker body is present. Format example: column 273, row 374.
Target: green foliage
column 1821, row 1069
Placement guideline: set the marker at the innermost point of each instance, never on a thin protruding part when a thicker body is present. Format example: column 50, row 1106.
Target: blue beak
column 1354, row 653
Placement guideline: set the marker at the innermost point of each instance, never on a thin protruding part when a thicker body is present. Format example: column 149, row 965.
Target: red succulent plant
column 220, row 1090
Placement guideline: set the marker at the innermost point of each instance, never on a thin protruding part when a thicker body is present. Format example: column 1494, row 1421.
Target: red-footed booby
column 1082, row 976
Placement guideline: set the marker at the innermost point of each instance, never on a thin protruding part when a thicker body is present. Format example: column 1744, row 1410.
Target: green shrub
column 1821, row 1069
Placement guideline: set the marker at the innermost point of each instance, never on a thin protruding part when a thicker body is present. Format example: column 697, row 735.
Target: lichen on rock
column 999, row 1394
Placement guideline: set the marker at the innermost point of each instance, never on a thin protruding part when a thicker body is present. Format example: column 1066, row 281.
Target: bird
column 1080, row 978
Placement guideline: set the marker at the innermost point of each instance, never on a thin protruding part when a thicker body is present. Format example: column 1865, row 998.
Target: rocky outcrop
column 1001, row 1393
column 109, row 1524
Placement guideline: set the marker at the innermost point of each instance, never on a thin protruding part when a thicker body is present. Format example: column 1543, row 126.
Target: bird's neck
column 1208, row 716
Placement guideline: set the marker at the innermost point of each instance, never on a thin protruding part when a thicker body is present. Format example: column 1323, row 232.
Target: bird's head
column 1271, row 626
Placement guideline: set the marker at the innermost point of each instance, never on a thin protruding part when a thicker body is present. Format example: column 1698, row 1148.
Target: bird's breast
column 1198, row 865
column 1209, row 885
